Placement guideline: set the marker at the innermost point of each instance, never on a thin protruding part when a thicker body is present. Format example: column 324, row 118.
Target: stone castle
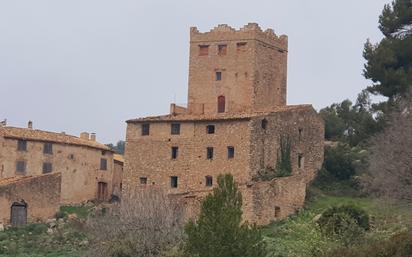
column 236, row 121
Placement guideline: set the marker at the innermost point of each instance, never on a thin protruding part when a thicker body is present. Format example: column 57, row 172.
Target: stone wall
column 305, row 130
column 150, row 156
column 41, row 193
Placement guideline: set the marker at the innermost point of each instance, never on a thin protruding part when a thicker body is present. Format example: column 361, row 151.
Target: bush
column 399, row 245
column 219, row 230
column 346, row 223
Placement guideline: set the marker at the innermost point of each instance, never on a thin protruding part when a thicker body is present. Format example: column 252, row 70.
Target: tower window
column 143, row 180
column 48, row 148
column 203, row 50
column 209, row 153
column 221, row 104
column 300, row 161
column 145, row 129
column 264, row 123
column 21, row 145
column 175, row 129
column 230, row 152
column 241, row 47
column 209, row 181
column 47, row 167
column 222, row 49
column 300, row 133
column 210, row 129
column 173, row 181
column 218, row 75
column 175, row 152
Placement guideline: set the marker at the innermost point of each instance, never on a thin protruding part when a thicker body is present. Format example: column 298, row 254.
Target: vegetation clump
column 346, row 222
column 219, row 230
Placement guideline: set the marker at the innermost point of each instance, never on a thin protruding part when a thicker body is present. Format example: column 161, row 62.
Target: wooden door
column 102, row 191
column 18, row 215
column 221, row 104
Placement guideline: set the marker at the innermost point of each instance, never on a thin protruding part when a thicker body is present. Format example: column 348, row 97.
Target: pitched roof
column 219, row 116
column 19, row 179
column 46, row 136
column 118, row 157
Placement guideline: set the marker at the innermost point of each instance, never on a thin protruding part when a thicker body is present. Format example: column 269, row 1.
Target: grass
column 300, row 236
column 81, row 211
column 34, row 240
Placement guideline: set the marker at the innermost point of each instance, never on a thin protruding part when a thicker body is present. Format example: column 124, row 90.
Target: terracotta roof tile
column 118, row 157
column 13, row 180
column 218, row 116
column 41, row 135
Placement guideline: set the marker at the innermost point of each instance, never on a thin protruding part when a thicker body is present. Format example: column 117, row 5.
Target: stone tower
column 236, row 71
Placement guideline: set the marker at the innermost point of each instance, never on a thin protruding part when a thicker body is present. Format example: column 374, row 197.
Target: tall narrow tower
column 233, row 71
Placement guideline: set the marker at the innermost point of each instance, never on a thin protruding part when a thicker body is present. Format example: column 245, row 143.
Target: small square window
column 218, row 75
column 145, row 129
column 48, row 148
column 241, row 47
column 21, row 167
column 230, row 152
column 203, row 50
column 175, row 152
column 222, row 49
column 21, row 145
column 175, row 129
column 143, row 180
column 173, row 181
column 209, row 153
column 210, row 129
column 103, row 164
column 209, row 181
column 47, row 167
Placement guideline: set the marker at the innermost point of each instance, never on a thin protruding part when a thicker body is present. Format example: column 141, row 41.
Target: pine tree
column 219, row 230
column 389, row 63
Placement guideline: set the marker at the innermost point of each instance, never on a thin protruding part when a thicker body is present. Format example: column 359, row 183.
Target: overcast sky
column 89, row 65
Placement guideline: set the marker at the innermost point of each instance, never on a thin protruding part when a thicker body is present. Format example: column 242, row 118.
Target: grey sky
column 88, row 65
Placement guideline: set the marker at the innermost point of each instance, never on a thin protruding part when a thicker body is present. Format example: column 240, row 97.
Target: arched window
column 221, row 104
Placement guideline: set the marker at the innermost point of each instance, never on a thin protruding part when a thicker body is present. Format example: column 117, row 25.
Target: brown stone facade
column 41, row 194
column 236, row 118
column 86, row 166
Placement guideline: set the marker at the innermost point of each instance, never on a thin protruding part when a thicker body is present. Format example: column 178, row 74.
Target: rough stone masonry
column 234, row 122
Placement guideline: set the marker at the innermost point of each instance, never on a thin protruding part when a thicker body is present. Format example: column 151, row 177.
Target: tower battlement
column 251, row 31
column 236, row 71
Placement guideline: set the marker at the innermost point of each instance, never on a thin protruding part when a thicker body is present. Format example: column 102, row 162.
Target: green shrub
column 219, row 230
column 346, row 223
column 399, row 245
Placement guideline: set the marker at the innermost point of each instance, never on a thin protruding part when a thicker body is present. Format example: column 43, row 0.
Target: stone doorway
column 18, row 215
column 101, row 191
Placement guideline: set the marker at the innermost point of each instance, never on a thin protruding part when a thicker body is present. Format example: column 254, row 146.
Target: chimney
column 84, row 135
column 93, row 137
column 3, row 123
column 30, row 124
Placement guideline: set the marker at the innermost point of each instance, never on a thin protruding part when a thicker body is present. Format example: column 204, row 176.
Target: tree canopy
column 389, row 62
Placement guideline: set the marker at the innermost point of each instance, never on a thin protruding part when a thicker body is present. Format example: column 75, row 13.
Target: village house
column 236, row 121
column 43, row 170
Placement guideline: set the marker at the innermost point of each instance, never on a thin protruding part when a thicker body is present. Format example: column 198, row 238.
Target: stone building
column 27, row 199
column 86, row 166
column 235, row 122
